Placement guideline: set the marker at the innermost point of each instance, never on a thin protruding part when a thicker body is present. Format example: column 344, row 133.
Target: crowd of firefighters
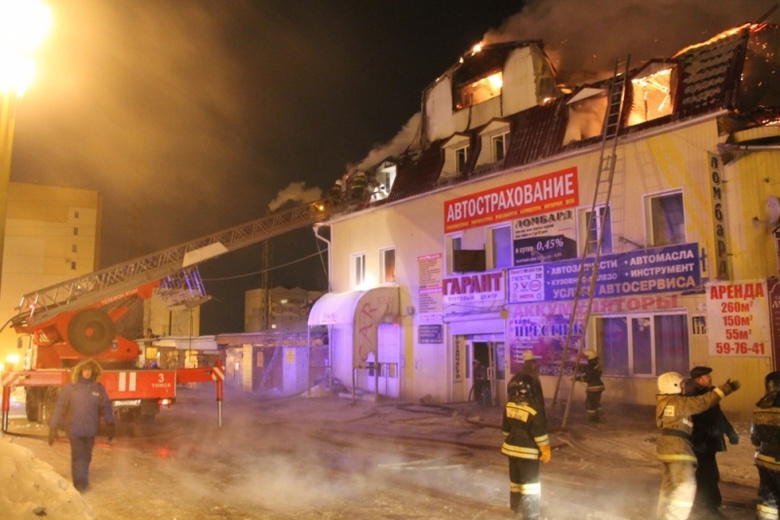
column 692, row 430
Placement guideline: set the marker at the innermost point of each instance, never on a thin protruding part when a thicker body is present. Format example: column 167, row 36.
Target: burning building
column 489, row 223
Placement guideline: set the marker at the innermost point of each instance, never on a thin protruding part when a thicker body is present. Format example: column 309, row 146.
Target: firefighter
column 530, row 367
column 709, row 427
column 765, row 435
column 674, row 448
column 526, row 443
column 590, row 373
column 78, row 411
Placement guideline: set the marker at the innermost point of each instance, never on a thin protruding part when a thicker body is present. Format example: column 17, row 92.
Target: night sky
column 190, row 116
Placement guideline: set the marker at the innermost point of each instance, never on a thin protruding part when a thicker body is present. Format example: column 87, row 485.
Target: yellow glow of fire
column 24, row 25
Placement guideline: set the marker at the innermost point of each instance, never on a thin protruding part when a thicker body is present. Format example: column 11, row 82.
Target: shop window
column 667, row 219
column 593, row 228
column 643, row 345
column 501, row 247
column 387, row 257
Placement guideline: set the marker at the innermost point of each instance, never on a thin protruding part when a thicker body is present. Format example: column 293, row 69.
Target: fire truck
column 76, row 319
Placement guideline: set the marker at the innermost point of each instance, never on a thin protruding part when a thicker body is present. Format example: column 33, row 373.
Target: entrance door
column 389, row 360
column 488, row 374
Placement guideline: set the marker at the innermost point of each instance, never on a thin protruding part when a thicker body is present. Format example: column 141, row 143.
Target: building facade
column 279, row 308
column 52, row 235
column 493, row 215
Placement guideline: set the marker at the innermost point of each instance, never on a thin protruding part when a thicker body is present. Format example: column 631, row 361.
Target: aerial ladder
column 599, row 212
column 76, row 319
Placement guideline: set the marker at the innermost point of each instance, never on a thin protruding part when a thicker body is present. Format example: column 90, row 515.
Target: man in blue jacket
column 79, row 408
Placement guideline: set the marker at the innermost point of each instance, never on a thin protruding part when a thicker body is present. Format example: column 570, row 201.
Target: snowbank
column 32, row 489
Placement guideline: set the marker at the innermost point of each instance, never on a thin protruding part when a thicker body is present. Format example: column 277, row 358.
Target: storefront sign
column 544, row 238
column 430, row 334
column 474, row 288
column 718, row 217
column 429, row 268
column 544, row 194
column 738, row 319
column 662, row 269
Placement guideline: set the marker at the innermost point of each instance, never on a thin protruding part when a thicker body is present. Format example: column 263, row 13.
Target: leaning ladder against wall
column 581, row 308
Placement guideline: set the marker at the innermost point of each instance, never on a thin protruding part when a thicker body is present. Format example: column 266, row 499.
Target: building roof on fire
column 708, row 80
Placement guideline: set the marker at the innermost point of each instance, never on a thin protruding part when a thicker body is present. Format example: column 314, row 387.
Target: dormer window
column 498, row 146
column 478, row 91
column 457, row 155
column 461, row 156
column 653, row 92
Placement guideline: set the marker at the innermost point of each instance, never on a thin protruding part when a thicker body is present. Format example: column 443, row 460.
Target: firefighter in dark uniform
column 674, row 448
column 526, row 443
column 530, row 367
column 765, row 434
column 709, row 427
column 80, row 406
column 590, row 373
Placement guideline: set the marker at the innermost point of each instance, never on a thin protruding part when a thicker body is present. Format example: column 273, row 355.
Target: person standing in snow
column 674, row 448
column 526, row 444
column 709, row 427
column 590, row 373
column 78, row 411
column 530, row 367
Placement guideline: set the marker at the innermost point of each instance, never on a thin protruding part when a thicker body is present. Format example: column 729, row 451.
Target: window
column 498, row 146
column 653, row 92
column 73, row 266
column 387, row 257
column 75, row 213
column 461, row 155
column 74, row 248
column 478, row 90
column 75, row 231
column 667, row 219
column 358, row 268
column 643, row 345
column 454, row 243
column 601, row 223
column 501, row 250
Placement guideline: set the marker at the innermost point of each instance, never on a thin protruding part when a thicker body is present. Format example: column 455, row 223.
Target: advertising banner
column 544, row 194
column 647, row 271
column 544, row 238
column 738, row 319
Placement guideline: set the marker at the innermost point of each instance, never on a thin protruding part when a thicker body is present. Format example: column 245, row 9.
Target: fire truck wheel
column 91, row 332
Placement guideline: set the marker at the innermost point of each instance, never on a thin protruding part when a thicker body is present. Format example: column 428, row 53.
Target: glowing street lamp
column 24, row 24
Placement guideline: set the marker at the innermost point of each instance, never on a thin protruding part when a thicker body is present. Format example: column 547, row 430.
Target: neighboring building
column 52, row 235
column 487, row 219
column 278, row 309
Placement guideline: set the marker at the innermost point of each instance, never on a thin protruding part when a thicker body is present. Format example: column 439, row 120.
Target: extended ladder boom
column 124, row 279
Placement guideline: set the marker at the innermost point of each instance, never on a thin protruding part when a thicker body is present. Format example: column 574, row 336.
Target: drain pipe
column 316, row 229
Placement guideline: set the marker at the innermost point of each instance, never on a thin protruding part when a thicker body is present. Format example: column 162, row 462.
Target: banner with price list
column 738, row 318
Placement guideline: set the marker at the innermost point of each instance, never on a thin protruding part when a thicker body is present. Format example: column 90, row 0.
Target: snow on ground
column 32, row 489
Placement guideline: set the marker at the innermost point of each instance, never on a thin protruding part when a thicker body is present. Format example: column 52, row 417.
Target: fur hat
column 97, row 370
column 697, row 372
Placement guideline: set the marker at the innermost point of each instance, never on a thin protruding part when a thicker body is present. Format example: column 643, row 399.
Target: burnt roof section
column 710, row 82
column 479, row 64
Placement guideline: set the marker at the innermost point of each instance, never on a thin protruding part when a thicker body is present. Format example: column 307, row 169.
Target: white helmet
column 670, row 383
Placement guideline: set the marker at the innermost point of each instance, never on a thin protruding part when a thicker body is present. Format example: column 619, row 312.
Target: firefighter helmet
column 521, row 387
column 670, row 383
column 772, row 381
column 590, row 354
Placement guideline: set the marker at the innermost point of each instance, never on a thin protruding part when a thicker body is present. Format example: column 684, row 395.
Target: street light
column 23, row 26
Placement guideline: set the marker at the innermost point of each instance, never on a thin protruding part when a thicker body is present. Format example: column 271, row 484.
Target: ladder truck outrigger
column 77, row 318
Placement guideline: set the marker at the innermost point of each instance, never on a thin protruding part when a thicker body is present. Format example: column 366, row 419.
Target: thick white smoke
column 295, row 192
